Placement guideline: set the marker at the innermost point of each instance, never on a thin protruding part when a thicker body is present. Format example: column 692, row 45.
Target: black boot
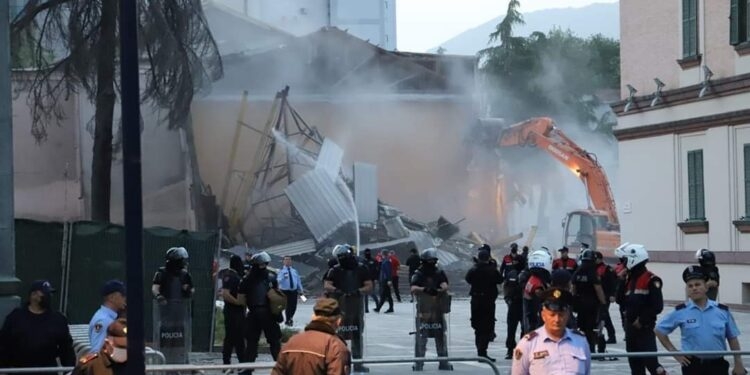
column 509, row 354
column 445, row 366
column 360, row 368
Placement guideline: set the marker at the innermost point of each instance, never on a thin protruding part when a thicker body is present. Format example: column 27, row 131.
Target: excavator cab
column 592, row 228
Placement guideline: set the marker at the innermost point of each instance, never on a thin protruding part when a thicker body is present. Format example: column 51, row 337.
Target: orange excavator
column 597, row 226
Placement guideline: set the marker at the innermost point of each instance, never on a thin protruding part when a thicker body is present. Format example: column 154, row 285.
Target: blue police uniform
column 98, row 327
column 537, row 353
column 706, row 329
column 289, row 280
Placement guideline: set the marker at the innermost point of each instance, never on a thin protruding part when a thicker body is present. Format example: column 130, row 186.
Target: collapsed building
column 387, row 127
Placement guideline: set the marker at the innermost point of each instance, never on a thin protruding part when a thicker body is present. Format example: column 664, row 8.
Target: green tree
column 556, row 74
column 75, row 46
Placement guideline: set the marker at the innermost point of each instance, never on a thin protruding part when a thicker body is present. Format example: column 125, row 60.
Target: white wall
column 647, row 187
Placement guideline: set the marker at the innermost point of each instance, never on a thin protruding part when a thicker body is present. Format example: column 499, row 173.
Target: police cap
column 692, row 273
column 556, row 299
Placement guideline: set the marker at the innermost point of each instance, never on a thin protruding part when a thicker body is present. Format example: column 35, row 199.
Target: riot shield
column 353, row 323
column 432, row 321
column 173, row 330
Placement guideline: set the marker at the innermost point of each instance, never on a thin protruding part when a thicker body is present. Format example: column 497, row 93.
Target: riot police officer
column 234, row 311
column 609, row 284
column 172, row 289
column 564, row 262
column 513, row 296
column 347, row 282
column 540, row 266
column 589, row 296
column 707, row 260
column 483, row 278
column 512, row 261
column 253, row 292
column 430, row 287
column 641, row 300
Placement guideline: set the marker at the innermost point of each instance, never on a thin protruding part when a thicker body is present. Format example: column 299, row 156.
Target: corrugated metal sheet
column 366, row 192
column 293, row 248
column 422, row 240
column 445, row 258
column 329, row 158
column 320, row 202
column 395, row 228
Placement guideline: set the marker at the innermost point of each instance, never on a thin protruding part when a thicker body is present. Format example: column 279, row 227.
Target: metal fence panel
column 38, row 254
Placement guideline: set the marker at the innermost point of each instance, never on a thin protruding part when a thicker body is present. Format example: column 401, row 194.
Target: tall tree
column 76, row 47
column 504, row 30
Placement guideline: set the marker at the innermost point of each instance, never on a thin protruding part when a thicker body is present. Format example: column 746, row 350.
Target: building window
column 690, row 28
column 696, row 202
column 739, row 22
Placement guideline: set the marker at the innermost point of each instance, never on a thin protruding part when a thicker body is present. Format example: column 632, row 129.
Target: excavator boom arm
column 541, row 133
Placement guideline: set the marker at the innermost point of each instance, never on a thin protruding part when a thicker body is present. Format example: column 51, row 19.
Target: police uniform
column 430, row 320
column 538, row 353
column 255, row 287
column 641, row 299
column 348, row 277
column 568, row 264
column 712, row 274
column 483, row 278
column 513, row 296
column 701, row 329
column 531, row 303
column 234, row 319
column 98, row 327
column 104, row 316
column 585, row 279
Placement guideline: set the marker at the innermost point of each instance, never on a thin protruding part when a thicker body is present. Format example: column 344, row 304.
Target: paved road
column 387, row 336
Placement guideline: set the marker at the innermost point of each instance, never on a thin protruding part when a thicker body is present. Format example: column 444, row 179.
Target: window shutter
column 685, row 28
column 696, row 203
column 701, row 211
column 746, row 162
column 734, row 22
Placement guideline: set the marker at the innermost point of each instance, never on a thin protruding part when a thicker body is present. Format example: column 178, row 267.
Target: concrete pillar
column 8, row 281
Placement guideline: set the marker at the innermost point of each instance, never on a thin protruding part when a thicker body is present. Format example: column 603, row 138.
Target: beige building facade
column 684, row 137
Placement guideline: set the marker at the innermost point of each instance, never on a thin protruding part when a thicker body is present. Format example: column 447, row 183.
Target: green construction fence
column 79, row 257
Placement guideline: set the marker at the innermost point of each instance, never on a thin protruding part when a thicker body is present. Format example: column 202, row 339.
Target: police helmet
column 634, row 254
column 485, row 247
column 705, row 257
column 177, row 253
column 587, row 255
column 343, row 250
column 260, row 258
column 514, row 247
column 429, row 254
column 598, row 255
column 540, row 259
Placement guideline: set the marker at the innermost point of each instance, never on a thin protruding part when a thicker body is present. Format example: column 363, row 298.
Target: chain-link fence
column 79, row 257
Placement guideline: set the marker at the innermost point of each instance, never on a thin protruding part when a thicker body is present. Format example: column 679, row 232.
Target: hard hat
column 705, row 257
column 635, row 254
column 429, row 254
column 261, row 258
column 342, row 250
column 177, row 253
column 540, row 259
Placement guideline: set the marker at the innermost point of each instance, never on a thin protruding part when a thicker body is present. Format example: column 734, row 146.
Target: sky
column 424, row 24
